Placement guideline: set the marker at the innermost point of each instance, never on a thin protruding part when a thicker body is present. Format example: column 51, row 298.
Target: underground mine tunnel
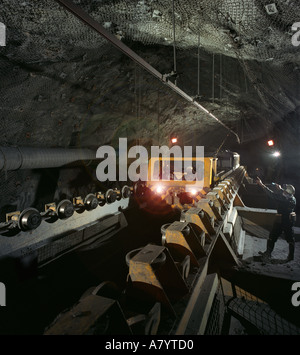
column 150, row 170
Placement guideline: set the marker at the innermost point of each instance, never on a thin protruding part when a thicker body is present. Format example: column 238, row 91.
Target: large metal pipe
column 15, row 158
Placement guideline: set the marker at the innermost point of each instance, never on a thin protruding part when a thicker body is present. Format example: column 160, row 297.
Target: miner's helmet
column 289, row 189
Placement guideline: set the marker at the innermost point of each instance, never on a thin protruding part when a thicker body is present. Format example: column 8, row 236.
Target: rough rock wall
column 62, row 85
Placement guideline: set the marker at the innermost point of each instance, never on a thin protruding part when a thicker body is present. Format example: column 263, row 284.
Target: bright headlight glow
column 276, row 154
column 192, row 191
column 159, row 189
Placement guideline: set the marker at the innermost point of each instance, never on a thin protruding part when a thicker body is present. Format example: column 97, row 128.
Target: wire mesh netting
column 222, row 25
column 259, row 314
column 42, row 33
column 217, row 314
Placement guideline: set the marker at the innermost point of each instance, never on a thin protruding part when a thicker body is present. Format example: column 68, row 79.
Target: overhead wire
column 174, row 43
column 198, row 72
column 221, row 76
column 213, row 78
column 77, row 11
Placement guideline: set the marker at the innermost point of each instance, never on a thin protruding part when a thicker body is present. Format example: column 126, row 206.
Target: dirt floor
column 277, row 265
column 271, row 281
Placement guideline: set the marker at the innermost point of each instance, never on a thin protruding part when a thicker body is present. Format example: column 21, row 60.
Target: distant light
column 174, row 140
column 276, row 154
column 270, row 143
column 191, row 191
column 159, row 189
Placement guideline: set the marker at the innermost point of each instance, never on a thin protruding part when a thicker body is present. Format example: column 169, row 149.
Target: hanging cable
column 221, row 145
column 136, row 98
column 96, row 26
column 174, row 41
column 227, row 99
column 213, row 78
column 198, row 89
column 158, row 119
column 221, row 77
column 242, row 130
column 194, row 138
column 246, row 85
column 139, row 99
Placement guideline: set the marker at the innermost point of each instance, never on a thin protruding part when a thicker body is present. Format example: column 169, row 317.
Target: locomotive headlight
column 193, row 192
column 159, row 189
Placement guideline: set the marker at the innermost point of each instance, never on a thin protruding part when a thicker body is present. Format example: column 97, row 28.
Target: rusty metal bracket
column 217, row 201
column 182, row 240
column 227, row 187
column 208, row 206
column 91, row 315
column 222, row 193
column 201, row 219
column 155, row 277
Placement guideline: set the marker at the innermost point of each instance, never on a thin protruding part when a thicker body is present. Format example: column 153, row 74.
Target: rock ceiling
column 64, row 85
